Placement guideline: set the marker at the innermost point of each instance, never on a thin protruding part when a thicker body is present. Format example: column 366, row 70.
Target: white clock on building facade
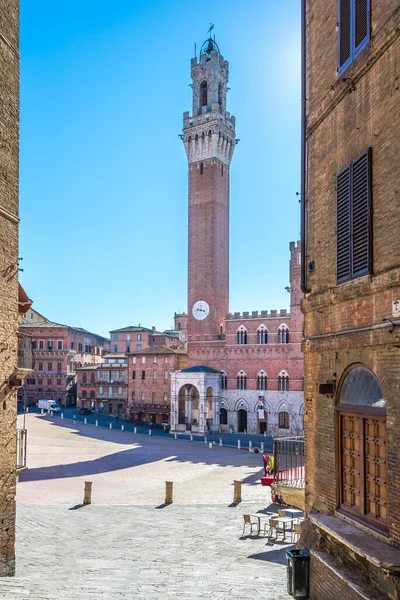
column 200, row 310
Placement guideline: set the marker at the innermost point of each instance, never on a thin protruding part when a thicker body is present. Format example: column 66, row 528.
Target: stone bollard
column 96, row 423
column 134, row 430
column 149, row 432
column 237, row 491
column 175, row 436
column 122, row 427
column 220, row 441
column 26, row 409
column 262, row 447
column 85, row 420
column 191, row 437
column 250, row 446
column 110, row 426
column 168, row 492
column 238, row 444
column 62, row 415
column 42, row 411
column 87, row 497
column 245, row 432
column 74, row 418
column 265, row 434
column 211, row 445
column 205, row 439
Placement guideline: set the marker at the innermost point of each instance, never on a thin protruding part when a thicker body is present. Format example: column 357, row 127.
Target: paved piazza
column 127, row 543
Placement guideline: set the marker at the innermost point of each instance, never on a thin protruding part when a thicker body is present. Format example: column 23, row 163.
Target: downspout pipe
column 303, row 281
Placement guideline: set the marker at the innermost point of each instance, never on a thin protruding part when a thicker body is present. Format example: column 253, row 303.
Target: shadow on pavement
column 276, row 556
column 140, row 452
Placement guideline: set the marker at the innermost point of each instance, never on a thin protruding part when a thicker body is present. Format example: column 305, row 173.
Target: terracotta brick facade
column 149, row 382
column 9, row 166
column 59, row 350
column 349, row 324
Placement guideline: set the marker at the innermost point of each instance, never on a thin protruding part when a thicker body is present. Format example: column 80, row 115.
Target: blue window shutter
column 343, row 226
column 345, row 38
column 361, row 25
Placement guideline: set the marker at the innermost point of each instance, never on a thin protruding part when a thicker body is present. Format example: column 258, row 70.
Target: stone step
column 358, row 589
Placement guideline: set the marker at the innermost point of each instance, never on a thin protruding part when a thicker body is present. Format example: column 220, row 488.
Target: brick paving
column 127, row 544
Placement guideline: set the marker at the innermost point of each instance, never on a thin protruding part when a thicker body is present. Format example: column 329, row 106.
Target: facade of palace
column 245, row 371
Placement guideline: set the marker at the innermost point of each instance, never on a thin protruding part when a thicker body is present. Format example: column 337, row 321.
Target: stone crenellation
column 255, row 314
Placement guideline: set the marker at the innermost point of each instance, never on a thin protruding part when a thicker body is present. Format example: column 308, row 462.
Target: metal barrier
column 21, row 448
column 289, row 461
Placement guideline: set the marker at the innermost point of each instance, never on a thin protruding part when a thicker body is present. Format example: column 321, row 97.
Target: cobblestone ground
column 127, row 543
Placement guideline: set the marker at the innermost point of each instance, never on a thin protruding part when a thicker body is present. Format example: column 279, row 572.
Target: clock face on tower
column 200, row 310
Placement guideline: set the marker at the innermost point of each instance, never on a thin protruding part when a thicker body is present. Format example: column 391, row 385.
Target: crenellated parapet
column 255, row 314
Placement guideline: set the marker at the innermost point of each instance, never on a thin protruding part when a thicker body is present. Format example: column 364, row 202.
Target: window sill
column 368, row 544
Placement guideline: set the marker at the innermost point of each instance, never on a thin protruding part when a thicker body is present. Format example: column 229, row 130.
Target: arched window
column 84, row 378
column 91, row 377
column 92, row 394
column 283, row 381
column 241, row 381
column 84, row 394
column 241, row 335
column 201, row 168
column 203, row 93
column 224, row 381
column 262, row 335
column 283, row 420
column 220, row 92
column 283, row 335
column 223, row 416
column 362, row 452
column 262, row 381
column 179, row 325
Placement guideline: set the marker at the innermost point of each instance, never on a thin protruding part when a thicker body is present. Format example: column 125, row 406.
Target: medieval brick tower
column 209, row 139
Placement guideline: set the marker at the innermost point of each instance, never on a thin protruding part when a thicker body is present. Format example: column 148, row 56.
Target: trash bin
column 297, row 573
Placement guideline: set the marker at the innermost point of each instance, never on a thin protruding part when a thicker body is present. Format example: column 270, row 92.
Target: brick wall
column 9, row 127
column 208, row 246
column 344, row 324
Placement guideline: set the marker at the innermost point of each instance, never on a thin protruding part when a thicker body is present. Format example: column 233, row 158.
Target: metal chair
column 281, row 513
column 274, row 527
column 248, row 521
column 296, row 532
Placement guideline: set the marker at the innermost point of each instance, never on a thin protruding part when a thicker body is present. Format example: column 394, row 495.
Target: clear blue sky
column 103, row 194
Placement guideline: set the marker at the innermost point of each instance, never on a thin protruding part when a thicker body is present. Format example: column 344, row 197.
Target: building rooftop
column 131, row 328
column 160, row 350
column 200, row 369
column 53, row 325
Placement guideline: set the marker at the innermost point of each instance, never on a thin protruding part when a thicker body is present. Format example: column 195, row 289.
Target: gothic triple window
column 283, row 382
column 241, row 335
column 241, row 381
column 283, row 335
column 224, row 381
column 262, row 335
column 262, row 381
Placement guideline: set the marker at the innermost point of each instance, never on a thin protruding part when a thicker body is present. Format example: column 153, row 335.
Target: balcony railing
column 21, row 448
column 289, row 461
column 26, row 359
